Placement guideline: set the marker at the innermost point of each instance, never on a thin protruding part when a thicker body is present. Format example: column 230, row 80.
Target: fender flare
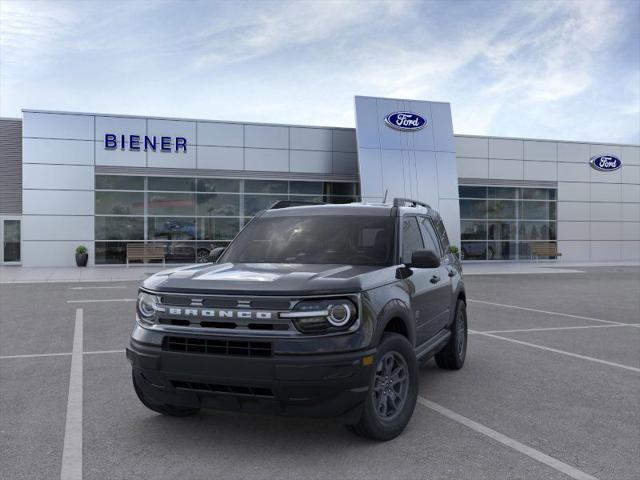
column 395, row 309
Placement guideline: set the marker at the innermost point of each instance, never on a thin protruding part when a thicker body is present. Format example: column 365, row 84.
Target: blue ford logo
column 405, row 121
column 605, row 163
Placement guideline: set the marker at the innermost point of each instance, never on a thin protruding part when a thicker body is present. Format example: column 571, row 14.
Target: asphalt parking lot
column 550, row 389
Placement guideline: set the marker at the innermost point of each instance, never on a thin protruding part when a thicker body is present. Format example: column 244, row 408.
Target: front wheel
column 393, row 390
column 452, row 356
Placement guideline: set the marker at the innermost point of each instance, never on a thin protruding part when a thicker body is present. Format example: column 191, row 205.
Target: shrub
column 81, row 250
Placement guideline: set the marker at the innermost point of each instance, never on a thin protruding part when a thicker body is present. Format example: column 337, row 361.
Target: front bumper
column 319, row 385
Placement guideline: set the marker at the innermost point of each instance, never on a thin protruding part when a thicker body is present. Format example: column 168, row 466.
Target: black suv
column 320, row 310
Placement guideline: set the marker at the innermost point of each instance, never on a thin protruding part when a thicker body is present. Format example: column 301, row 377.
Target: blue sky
column 544, row 69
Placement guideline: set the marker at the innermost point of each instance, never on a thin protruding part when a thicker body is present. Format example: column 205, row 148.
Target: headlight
column 311, row 316
column 147, row 307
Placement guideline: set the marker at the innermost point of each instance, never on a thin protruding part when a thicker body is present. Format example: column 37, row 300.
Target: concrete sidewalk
column 11, row 274
column 529, row 268
column 16, row 274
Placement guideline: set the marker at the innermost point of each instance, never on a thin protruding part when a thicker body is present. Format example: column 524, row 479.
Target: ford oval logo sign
column 605, row 163
column 405, row 121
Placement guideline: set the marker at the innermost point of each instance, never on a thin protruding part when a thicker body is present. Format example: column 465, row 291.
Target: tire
column 165, row 409
column 202, row 256
column 385, row 415
column 452, row 356
column 490, row 254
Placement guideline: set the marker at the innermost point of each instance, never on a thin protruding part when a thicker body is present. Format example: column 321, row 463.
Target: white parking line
column 103, row 300
column 562, row 352
column 100, row 352
column 72, row 449
column 560, row 314
column 549, row 329
column 36, row 355
column 509, row 442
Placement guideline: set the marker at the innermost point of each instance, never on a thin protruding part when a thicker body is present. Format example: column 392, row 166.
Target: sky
column 541, row 69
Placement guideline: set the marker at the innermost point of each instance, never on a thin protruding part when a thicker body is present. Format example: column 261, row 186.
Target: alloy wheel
column 390, row 386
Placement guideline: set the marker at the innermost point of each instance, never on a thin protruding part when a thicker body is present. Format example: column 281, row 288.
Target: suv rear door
column 426, row 293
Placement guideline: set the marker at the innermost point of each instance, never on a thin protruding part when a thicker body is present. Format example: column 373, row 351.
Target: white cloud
column 516, row 68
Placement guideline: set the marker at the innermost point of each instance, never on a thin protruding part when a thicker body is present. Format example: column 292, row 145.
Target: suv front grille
column 229, row 389
column 217, row 347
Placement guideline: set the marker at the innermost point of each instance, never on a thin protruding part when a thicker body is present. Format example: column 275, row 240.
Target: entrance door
column 11, row 236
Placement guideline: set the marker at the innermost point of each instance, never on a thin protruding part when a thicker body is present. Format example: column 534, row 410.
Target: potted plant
column 82, row 256
column 453, row 249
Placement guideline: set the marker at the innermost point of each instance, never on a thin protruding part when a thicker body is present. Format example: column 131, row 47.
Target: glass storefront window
column 119, row 182
column 214, row 185
column 472, row 192
column 168, row 228
column 538, row 194
column 119, row 203
column 171, row 204
column 107, row 253
column 266, row 186
column 501, row 192
column 190, row 216
column 501, row 223
column 501, row 230
column 213, row 204
column 254, row 203
column 532, row 210
column 306, row 188
column 177, row 184
column 217, row 228
column 119, row 228
column 501, row 209
column 474, row 250
column 473, row 209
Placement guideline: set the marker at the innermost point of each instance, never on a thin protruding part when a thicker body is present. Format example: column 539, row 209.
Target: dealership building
column 113, row 182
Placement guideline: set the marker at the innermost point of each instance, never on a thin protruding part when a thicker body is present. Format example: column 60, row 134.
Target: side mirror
column 424, row 259
column 215, row 254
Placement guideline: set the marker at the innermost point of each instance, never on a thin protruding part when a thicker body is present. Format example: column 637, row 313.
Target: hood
column 269, row 279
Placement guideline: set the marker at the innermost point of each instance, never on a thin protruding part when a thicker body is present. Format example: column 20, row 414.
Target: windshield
column 345, row 239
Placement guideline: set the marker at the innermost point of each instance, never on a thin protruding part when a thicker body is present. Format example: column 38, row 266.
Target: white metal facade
column 598, row 212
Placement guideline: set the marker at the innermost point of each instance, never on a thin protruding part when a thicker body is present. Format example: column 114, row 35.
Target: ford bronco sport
column 320, row 310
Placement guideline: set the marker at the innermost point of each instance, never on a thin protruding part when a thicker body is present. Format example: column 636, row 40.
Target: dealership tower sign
column 605, row 163
column 405, row 121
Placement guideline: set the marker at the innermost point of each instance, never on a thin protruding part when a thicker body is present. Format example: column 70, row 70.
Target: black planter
column 82, row 259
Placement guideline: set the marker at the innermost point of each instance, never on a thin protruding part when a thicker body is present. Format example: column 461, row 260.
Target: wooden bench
column 140, row 251
column 545, row 249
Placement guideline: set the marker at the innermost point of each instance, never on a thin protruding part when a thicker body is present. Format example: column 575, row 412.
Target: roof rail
column 291, row 203
column 400, row 202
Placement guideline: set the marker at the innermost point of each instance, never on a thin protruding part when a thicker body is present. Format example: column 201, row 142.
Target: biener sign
column 139, row 142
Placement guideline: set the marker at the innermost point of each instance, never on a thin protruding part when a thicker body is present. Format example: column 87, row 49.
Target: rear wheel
column 393, row 390
column 165, row 409
column 452, row 356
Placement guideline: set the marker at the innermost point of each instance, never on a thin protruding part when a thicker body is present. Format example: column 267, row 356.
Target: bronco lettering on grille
column 214, row 313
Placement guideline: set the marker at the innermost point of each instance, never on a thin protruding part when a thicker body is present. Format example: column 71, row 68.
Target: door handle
column 435, row 279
